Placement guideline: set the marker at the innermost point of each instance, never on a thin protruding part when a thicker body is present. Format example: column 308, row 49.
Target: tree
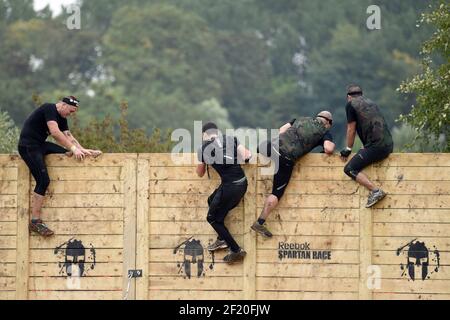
column 404, row 141
column 211, row 110
column 115, row 136
column 261, row 61
column 166, row 61
column 41, row 56
column 431, row 114
column 14, row 10
column 9, row 134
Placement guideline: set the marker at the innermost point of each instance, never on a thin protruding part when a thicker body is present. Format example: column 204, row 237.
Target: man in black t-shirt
column 297, row 138
column 365, row 118
column 224, row 154
column 48, row 119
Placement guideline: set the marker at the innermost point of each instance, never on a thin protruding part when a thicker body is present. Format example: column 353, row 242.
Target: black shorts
column 34, row 158
column 282, row 177
column 285, row 167
column 364, row 158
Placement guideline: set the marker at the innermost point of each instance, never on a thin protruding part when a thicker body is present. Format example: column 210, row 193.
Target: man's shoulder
column 49, row 108
column 363, row 101
column 299, row 121
column 42, row 109
column 48, row 105
column 368, row 101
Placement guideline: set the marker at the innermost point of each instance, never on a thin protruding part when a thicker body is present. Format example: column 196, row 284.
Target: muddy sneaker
column 375, row 197
column 234, row 257
column 39, row 227
column 261, row 229
column 218, row 245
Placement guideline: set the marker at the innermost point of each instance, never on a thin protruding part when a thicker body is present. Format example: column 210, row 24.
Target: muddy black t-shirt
column 35, row 130
column 221, row 153
column 370, row 124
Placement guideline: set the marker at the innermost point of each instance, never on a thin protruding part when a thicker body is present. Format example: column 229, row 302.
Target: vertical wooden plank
column 250, row 214
column 128, row 176
column 142, row 241
column 365, row 240
column 22, row 254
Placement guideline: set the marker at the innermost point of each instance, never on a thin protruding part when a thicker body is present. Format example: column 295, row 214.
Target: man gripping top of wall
column 364, row 117
column 48, row 119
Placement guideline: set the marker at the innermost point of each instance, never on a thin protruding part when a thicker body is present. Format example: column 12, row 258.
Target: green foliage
column 247, row 63
column 9, row 134
column 14, row 10
column 431, row 114
column 162, row 74
column 405, row 140
column 115, row 136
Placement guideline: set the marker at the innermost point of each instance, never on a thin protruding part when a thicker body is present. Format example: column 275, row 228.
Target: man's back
column 303, row 136
column 35, row 130
column 371, row 125
column 221, row 153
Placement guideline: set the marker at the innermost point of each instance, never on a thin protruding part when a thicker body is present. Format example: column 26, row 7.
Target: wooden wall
column 419, row 207
column 321, row 210
column 8, row 226
column 136, row 211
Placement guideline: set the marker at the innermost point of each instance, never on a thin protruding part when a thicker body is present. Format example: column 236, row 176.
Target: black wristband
column 345, row 153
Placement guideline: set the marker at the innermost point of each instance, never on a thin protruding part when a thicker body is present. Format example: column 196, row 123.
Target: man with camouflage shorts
column 297, row 138
column 364, row 117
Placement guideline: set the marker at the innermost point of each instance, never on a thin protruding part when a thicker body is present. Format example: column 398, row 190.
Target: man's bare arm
column 351, row 134
column 59, row 136
column 62, row 139
column 72, row 139
column 329, row 147
column 244, row 154
column 201, row 170
column 89, row 152
column 284, row 128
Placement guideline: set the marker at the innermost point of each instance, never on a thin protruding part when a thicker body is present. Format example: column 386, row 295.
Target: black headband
column 329, row 120
column 71, row 101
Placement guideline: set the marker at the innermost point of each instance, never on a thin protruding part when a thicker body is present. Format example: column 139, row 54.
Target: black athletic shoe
column 234, row 257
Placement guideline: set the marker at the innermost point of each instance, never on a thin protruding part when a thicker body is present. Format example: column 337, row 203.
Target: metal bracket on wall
column 134, row 273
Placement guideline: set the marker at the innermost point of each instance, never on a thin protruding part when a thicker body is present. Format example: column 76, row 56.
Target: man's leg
column 361, row 160
column 36, row 206
column 280, row 182
column 362, row 179
column 270, row 204
column 216, row 218
column 34, row 158
column 232, row 197
column 51, row 148
column 219, row 243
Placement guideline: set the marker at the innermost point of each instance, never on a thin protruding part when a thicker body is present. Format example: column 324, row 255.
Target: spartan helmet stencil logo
column 74, row 254
column 193, row 258
column 419, row 260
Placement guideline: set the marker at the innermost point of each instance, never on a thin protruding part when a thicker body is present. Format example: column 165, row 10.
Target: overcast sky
column 54, row 4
